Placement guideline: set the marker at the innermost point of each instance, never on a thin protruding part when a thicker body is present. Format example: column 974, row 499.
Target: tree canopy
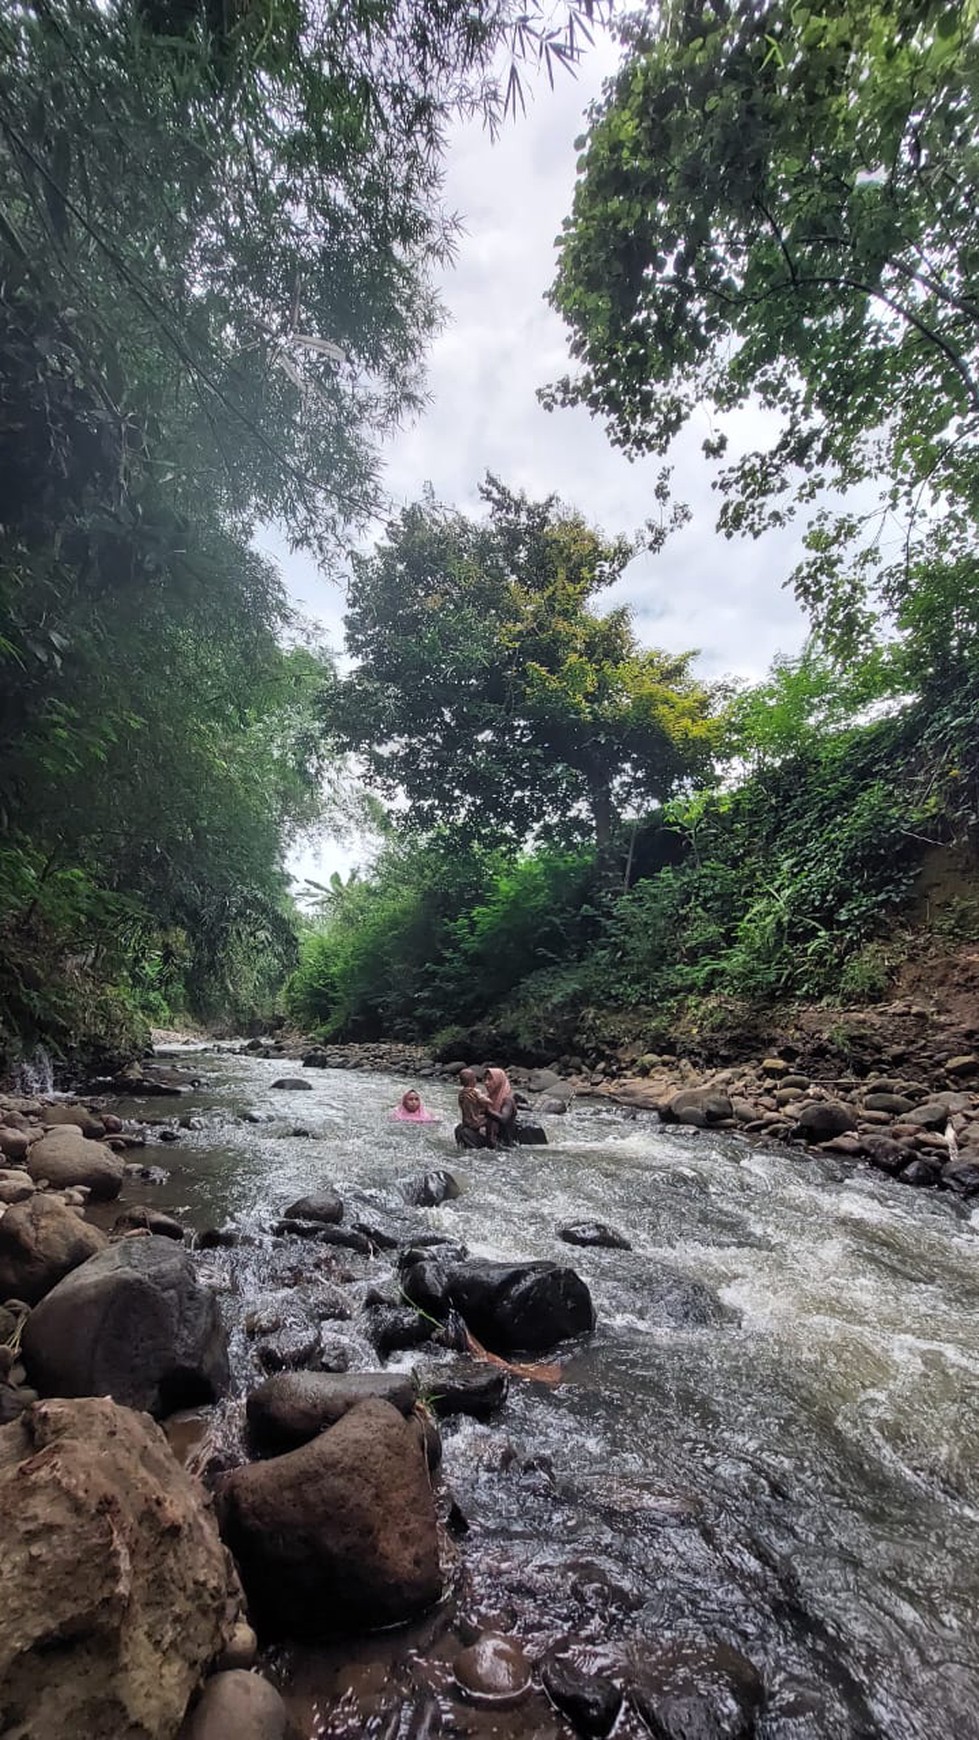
column 776, row 205
column 492, row 693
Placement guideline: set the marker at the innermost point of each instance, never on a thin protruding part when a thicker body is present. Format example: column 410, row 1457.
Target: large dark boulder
column 339, row 1535
column 290, row 1409
column 962, row 1175
column 321, row 1205
column 133, row 1323
column 509, row 1307
column 42, row 1241
column 821, row 1120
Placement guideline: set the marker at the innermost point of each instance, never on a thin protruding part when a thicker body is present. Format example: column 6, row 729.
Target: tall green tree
column 777, row 205
column 492, row 693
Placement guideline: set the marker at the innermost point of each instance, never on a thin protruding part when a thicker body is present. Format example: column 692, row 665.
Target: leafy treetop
column 777, row 203
column 491, row 692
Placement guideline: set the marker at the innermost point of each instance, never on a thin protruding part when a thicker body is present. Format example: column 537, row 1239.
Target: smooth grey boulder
column 133, row 1323
column 293, row 1083
column 700, row 1107
column 65, row 1158
column 237, row 1705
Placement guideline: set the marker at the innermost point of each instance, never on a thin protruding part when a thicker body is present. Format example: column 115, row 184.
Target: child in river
column 476, row 1129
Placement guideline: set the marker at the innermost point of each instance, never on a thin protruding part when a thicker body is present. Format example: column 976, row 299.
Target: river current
column 798, row 1483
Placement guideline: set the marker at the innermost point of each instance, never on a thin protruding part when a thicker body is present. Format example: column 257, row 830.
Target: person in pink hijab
column 501, row 1111
column 411, row 1111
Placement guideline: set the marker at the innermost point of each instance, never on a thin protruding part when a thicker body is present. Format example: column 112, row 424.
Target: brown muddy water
column 796, row 1481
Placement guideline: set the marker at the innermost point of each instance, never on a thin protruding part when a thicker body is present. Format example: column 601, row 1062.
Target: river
column 799, row 1482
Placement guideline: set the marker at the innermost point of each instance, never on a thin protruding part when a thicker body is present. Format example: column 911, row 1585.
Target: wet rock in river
column 921, row 1172
column 289, row 1410
column 674, row 1300
column 962, row 1175
column 117, row 1592
column 66, row 1158
column 134, row 1323
column 464, row 1387
column 590, row 1702
column 348, row 1238
column 594, row 1232
column 430, row 1190
column 289, row 1349
column 394, row 1328
column 322, row 1205
column 293, row 1084
column 493, row 1670
column 237, row 1704
column 334, row 1353
column 339, row 1535
column 42, row 1241
column 529, row 1135
column 215, row 1238
column 516, row 1307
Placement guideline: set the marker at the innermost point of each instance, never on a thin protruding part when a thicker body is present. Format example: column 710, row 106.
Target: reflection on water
column 799, row 1482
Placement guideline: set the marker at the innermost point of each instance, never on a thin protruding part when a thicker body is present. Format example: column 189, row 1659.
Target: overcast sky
column 500, row 343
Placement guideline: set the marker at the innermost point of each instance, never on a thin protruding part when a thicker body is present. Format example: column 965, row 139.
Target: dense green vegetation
column 218, row 228
column 789, row 881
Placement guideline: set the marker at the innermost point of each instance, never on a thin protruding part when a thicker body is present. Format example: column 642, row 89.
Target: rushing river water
column 798, row 1483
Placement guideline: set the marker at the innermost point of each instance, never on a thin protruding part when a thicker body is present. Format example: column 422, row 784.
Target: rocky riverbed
column 714, row 1479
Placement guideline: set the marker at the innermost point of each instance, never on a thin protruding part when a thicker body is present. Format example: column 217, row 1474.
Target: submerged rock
column 430, row 1190
column 339, row 1535
column 589, row 1702
column 493, row 1670
column 135, row 1323
column 594, row 1232
column 117, row 1592
column 293, row 1083
column 42, row 1241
